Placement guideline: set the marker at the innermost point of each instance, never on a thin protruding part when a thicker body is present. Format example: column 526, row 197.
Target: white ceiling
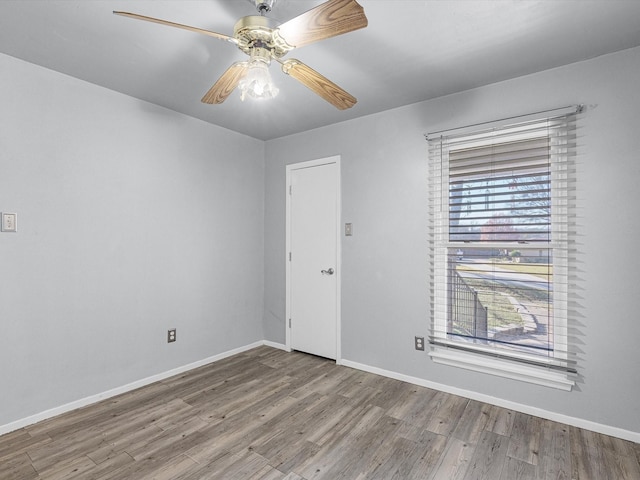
column 411, row 51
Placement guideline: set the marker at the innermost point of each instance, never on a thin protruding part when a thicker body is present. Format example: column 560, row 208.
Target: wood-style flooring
column 270, row 415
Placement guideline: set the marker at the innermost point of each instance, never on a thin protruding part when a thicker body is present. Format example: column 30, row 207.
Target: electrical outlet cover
column 171, row 335
column 9, row 222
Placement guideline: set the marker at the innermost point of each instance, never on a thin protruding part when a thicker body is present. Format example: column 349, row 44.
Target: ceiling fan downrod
column 264, row 6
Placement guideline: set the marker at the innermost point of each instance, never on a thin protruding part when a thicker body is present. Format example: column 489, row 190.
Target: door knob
column 327, row 272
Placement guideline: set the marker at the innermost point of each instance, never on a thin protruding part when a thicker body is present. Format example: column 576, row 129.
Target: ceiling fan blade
column 319, row 84
column 327, row 20
column 177, row 25
column 226, row 83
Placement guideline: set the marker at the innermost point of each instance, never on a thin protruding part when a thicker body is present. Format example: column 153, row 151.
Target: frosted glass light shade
column 257, row 82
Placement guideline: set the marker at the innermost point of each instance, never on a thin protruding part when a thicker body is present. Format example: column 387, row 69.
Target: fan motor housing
column 257, row 31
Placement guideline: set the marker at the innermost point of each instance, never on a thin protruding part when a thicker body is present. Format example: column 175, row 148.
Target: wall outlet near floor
column 171, row 335
column 419, row 343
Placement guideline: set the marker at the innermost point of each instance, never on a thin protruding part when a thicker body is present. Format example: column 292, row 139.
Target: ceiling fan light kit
column 264, row 40
column 257, row 82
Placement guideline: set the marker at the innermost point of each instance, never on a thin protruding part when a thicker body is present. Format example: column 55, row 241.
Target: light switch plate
column 348, row 229
column 9, row 222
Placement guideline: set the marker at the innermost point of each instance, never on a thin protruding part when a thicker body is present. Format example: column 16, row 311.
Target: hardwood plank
column 211, row 469
column 636, row 449
column 524, row 442
column 175, row 468
column 287, row 422
column 446, row 416
column 17, row 466
column 454, row 461
column 326, row 382
column 351, row 426
column 515, row 469
column 500, row 421
column 69, row 468
column 331, row 421
column 293, row 476
column 587, row 460
column 267, row 473
column 622, row 467
column 429, row 449
column 473, row 421
column 74, row 446
column 19, row 442
column 236, row 466
column 600, row 456
column 116, row 462
column 341, row 441
column 389, row 391
column 388, row 459
column 351, row 462
column 233, row 435
column 170, row 443
column 614, row 445
column 417, row 405
column 285, row 460
column 114, row 445
column 286, row 445
column 554, row 461
column 251, row 402
column 489, row 457
column 104, row 411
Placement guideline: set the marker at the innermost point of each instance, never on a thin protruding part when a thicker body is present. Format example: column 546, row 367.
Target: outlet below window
column 171, row 335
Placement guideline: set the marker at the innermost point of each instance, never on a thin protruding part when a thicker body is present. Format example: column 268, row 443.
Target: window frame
column 557, row 371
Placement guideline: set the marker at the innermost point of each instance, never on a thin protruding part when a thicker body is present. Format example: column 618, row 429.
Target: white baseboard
column 279, row 346
column 518, row 407
column 83, row 402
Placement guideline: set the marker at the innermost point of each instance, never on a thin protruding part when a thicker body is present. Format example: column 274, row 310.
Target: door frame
column 289, row 169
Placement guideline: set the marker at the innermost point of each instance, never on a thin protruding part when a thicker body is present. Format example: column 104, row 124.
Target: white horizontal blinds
column 500, row 240
column 438, row 235
column 562, row 135
column 501, row 192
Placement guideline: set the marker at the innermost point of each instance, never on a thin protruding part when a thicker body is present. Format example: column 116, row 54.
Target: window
column 501, row 227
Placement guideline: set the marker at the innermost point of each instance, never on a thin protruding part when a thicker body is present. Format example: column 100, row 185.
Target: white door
column 313, row 276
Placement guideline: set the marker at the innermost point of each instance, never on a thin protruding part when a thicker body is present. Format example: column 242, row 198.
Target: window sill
column 502, row 368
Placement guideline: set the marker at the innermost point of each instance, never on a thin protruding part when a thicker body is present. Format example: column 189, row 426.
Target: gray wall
column 384, row 265
column 132, row 219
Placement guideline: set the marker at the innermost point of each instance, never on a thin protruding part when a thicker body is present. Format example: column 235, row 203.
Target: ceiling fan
column 264, row 40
